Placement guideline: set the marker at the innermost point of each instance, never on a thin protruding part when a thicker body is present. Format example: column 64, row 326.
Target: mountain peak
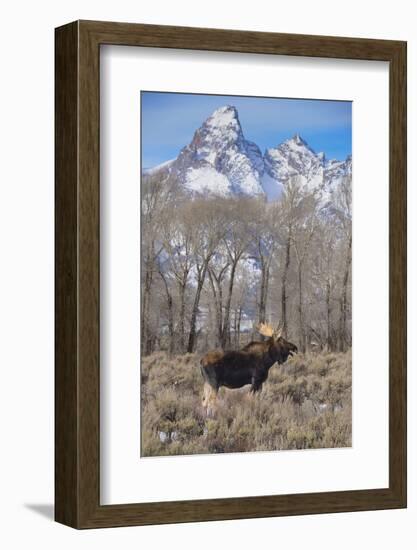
column 219, row 160
column 224, row 117
column 299, row 141
column 226, row 109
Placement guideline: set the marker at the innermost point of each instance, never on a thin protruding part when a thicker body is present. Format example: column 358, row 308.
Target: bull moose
column 250, row 365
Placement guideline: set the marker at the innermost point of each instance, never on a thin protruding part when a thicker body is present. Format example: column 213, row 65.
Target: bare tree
column 344, row 297
column 154, row 197
column 211, row 264
column 245, row 289
column 217, row 275
column 343, row 211
column 302, row 237
column 265, row 235
column 209, row 229
column 236, row 240
column 170, row 308
column 177, row 238
column 290, row 207
column 324, row 277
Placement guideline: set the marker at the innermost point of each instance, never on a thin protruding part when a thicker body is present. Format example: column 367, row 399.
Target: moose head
column 278, row 347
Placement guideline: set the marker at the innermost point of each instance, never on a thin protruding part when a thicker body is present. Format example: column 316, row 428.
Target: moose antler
column 278, row 330
column 265, row 329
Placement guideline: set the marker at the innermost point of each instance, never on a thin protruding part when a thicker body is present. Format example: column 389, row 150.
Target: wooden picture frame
column 77, row 373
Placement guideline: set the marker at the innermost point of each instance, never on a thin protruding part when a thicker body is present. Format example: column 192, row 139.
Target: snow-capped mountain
column 221, row 161
column 336, row 170
column 294, row 157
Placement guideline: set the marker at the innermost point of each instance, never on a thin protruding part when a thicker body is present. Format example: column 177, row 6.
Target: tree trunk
column 226, row 323
column 263, row 298
column 329, row 312
column 145, row 313
column 235, row 323
column 170, row 313
column 239, row 319
column 343, row 298
column 218, row 305
column 193, row 322
column 284, row 284
column 264, row 292
column 300, row 309
column 181, row 320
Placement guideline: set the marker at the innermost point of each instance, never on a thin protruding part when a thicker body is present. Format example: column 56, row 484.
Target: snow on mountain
column 219, row 160
column 294, row 157
column 337, row 169
column 222, row 162
column 164, row 166
column 205, row 179
column 273, row 188
column 335, row 172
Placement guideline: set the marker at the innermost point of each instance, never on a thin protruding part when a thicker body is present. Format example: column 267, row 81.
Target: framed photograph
column 230, row 274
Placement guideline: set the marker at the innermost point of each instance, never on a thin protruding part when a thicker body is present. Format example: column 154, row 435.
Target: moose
column 250, row 365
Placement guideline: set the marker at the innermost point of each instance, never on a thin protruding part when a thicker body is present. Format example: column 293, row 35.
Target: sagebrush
column 305, row 404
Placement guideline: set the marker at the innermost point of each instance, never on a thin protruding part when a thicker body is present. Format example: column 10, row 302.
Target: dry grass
column 304, row 404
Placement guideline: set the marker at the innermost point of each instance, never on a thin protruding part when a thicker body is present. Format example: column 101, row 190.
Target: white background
column 127, row 478
column 26, row 300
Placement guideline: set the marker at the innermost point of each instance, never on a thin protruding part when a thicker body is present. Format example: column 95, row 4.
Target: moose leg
column 209, row 399
column 256, row 386
column 212, row 405
column 206, row 393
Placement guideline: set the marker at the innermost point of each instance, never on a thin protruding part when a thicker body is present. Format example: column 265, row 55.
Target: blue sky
column 169, row 121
